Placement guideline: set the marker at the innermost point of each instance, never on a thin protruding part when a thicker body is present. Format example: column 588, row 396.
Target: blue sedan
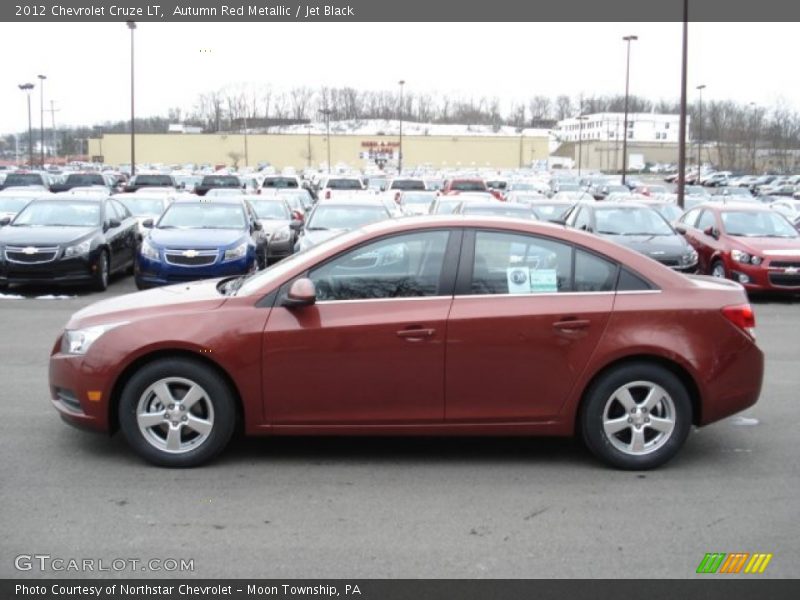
column 200, row 238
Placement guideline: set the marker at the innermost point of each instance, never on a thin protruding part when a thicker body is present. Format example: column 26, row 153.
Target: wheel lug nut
column 647, row 420
column 184, row 418
column 630, row 420
column 183, row 407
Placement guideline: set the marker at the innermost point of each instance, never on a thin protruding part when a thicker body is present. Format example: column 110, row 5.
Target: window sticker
column 523, row 280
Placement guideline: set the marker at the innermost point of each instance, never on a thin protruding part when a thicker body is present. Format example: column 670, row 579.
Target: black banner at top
column 277, row 11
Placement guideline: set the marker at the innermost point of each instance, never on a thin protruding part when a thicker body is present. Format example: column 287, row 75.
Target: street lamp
column 581, row 119
column 327, row 113
column 700, row 89
column 755, row 135
column 41, row 116
column 402, row 82
column 27, row 87
column 628, row 39
column 132, row 27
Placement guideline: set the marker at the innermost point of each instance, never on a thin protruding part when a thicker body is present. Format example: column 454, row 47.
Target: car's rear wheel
column 636, row 416
column 718, row 269
column 101, row 272
column 177, row 413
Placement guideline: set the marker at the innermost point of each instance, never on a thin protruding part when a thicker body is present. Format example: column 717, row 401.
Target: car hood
column 195, row 238
column 771, row 247
column 41, row 236
column 652, row 245
column 198, row 295
column 273, row 225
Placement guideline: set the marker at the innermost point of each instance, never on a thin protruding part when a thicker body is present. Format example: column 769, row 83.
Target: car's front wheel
column 177, row 412
column 636, row 416
column 718, row 269
column 101, row 273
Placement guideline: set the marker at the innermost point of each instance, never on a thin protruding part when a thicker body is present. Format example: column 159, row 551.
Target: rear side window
column 594, row 274
column 631, row 282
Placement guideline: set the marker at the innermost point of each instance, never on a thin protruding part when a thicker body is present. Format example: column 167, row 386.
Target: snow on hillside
column 383, row 127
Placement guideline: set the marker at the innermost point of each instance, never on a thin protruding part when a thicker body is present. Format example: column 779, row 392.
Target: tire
column 102, row 274
column 718, row 269
column 181, row 436
column 619, row 428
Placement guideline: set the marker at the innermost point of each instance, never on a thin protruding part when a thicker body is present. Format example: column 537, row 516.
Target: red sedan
column 751, row 244
column 432, row 326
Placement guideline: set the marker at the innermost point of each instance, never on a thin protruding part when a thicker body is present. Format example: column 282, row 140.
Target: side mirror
column 257, row 226
column 301, row 293
column 712, row 231
column 112, row 223
column 680, row 227
column 296, row 224
column 5, row 221
column 147, row 223
column 383, row 188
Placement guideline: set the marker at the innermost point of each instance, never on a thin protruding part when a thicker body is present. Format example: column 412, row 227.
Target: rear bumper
column 736, row 385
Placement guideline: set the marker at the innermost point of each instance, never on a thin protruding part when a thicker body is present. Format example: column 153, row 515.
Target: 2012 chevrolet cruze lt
column 445, row 325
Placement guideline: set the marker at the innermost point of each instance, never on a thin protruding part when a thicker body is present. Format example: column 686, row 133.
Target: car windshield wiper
column 318, row 228
column 610, row 232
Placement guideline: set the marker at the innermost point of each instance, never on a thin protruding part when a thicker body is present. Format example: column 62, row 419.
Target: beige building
column 299, row 150
column 598, row 155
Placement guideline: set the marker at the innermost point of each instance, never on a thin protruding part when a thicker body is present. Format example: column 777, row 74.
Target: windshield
column 503, row 210
column 85, row 179
column 468, row 186
column 269, row 209
column 156, row 180
column 59, row 213
column 757, row 224
column 140, row 206
column 203, row 215
column 344, row 184
column 417, row 198
column 549, row 212
column 23, row 179
column 671, row 212
column 631, row 221
column 12, row 205
column 280, row 182
column 345, row 217
column 221, row 181
column 408, row 184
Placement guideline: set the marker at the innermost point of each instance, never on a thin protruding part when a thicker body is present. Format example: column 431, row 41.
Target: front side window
column 509, row 263
column 399, row 266
column 706, row 220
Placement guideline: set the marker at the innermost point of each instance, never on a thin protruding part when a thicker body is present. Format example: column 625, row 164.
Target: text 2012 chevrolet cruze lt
column 464, row 326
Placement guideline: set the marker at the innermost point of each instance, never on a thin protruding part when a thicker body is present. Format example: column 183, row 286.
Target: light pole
column 581, row 119
column 327, row 113
column 402, row 82
column 755, row 135
column 27, row 87
column 308, row 127
column 132, row 27
column 41, row 117
column 682, row 123
column 628, row 39
column 700, row 89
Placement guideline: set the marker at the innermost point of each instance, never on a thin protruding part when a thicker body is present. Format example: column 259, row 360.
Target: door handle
column 414, row 335
column 572, row 324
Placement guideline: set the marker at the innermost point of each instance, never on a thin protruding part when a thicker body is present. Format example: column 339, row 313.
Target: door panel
column 354, row 362
column 516, row 357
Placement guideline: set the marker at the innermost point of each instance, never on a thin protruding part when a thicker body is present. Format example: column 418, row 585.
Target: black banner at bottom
column 706, row 588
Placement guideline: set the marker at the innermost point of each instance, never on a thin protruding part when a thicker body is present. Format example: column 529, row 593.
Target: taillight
column 742, row 316
column 327, row 194
column 397, row 197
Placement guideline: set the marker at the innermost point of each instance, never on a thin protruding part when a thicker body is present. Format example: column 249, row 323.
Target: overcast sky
column 88, row 77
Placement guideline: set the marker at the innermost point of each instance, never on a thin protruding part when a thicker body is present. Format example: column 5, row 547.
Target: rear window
column 408, row 184
column 280, row 182
column 154, row 180
column 468, row 186
column 221, row 181
column 23, row 179
column 85, row 179
column 344, row 184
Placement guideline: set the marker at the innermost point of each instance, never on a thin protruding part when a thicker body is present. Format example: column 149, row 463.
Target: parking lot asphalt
column 386, row 508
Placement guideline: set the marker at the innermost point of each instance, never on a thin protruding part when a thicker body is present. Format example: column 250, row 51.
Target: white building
column 642, row 127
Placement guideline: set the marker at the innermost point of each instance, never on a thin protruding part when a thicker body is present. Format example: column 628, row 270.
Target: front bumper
column 72, row 385
column 154, row 273
column 64, row 271
column 764, row 278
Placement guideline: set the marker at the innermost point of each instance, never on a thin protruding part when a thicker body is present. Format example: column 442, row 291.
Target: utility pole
column 41, row 117
column 628, row 39
column 53, row 110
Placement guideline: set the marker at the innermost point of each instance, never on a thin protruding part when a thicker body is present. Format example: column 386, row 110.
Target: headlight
column 739, row 256
column 756, row 260
column 689, row 258
column 78, row 249
column 237, row 252
column 281, row 235
column 149, row 251
column 78, row 341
